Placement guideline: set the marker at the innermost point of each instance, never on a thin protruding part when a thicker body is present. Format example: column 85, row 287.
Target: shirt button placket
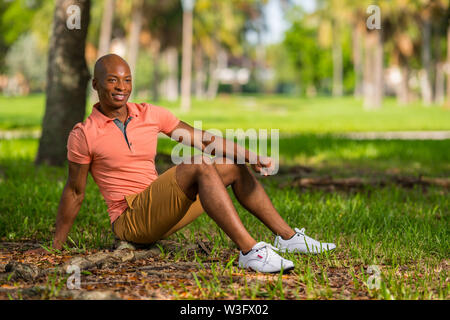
column 131, row 147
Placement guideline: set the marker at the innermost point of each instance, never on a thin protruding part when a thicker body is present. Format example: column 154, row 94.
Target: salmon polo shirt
column 121, row 163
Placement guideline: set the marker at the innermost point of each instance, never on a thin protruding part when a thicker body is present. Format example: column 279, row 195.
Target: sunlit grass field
column 403, row 231
column 288, row 114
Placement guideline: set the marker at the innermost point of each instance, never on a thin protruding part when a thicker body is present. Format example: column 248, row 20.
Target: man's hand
column 264, row 165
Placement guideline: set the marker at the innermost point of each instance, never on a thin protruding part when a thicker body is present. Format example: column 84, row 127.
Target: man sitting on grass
column 117, row 144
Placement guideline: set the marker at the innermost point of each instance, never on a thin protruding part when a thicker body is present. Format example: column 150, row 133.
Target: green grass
column 289, row 114
column 21, row 112
column 405, row 232
column 336, row 156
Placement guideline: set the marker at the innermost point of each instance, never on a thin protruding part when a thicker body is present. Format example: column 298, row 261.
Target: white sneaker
column 263, row 258
column 300, row 242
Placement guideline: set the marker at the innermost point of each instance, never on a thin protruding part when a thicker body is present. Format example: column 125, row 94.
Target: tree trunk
column 171, row 82
column 67, row 79
column 156, row 70
column 426, row 88
column 439, row 96
column 106, row 28
column 403, row 88
column 214, row 66
column 373, row 70
column 186, row 68
column 400, row 64
column 199, row 74
column 337, row 63
column 133, row 40
column 213, row 83
column 357, row 61
column 448, row 65
column 105, row 37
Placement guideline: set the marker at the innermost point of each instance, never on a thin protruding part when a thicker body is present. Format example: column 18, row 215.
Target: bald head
column 112, row 80
column 108, row 62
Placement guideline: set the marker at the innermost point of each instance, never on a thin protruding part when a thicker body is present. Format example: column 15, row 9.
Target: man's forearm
column 229, row 149
column 68, row 209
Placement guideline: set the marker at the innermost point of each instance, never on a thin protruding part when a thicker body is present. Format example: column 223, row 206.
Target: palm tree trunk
column 337, row 63
column 357, row 61
column 425, row 73
column 373, row 70
column 106, row 28
column 214, row 66
column 199, row 74
column 133, row 40
column 448, row 66
column 67, row 79
column 213, row 83
column 156, row 70
column 403, row 92
column 439, row 96
column 105, row 36
column 171, row 57
column 186, row 72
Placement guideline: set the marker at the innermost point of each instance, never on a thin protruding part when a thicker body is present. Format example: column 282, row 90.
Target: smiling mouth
column 119, row 96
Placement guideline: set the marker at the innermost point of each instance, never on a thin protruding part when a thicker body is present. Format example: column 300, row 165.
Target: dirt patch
column 146, row 273
column 330, row 183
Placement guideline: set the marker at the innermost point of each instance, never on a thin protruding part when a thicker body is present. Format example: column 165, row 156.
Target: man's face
column 113, row 84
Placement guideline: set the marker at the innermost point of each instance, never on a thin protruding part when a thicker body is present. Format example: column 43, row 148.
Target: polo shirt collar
column 102, row 120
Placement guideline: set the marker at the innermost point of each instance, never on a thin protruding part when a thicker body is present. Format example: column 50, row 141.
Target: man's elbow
column 75, row 194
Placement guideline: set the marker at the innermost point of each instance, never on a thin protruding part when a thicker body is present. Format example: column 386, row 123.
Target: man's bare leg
column 252, row 196
column 204, row 179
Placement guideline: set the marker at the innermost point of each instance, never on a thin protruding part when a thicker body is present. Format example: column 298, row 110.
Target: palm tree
column 219, row 32
column 448, row 64
column 133, row 36
column 105, row 35
column 188, row 7
column 106, row 27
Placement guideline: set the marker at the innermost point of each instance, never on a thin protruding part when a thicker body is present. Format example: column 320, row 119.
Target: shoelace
column 302, row 233
column 265, row 245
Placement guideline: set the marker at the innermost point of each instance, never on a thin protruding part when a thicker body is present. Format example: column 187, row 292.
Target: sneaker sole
column 285, row 271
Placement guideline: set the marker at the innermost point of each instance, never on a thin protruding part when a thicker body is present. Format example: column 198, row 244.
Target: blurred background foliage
column 308, row 48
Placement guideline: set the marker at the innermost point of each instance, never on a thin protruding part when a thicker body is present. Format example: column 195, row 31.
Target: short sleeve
column 77, row 147
column 167, row 120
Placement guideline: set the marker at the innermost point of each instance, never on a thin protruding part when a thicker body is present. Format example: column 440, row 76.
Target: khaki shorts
column 157, row 212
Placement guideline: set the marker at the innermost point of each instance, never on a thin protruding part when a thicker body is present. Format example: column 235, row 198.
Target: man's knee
column 228, row 170
column 201, row 160
column 195, row 165
column 201, row 164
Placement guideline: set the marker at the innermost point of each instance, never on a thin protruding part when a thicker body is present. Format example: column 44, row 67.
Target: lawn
column 288, row 114
column 404, row 232
column 400, row 229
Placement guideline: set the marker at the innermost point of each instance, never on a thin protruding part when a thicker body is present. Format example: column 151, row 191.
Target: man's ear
column 94, row 83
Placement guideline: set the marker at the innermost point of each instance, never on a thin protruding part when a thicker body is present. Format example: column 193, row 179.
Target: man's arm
column 200, row 139
column 70, row 203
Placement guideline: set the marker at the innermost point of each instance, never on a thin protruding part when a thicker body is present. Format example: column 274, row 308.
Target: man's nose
column 120, row 85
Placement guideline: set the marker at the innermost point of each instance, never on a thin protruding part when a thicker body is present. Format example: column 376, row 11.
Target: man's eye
column 111, row 80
